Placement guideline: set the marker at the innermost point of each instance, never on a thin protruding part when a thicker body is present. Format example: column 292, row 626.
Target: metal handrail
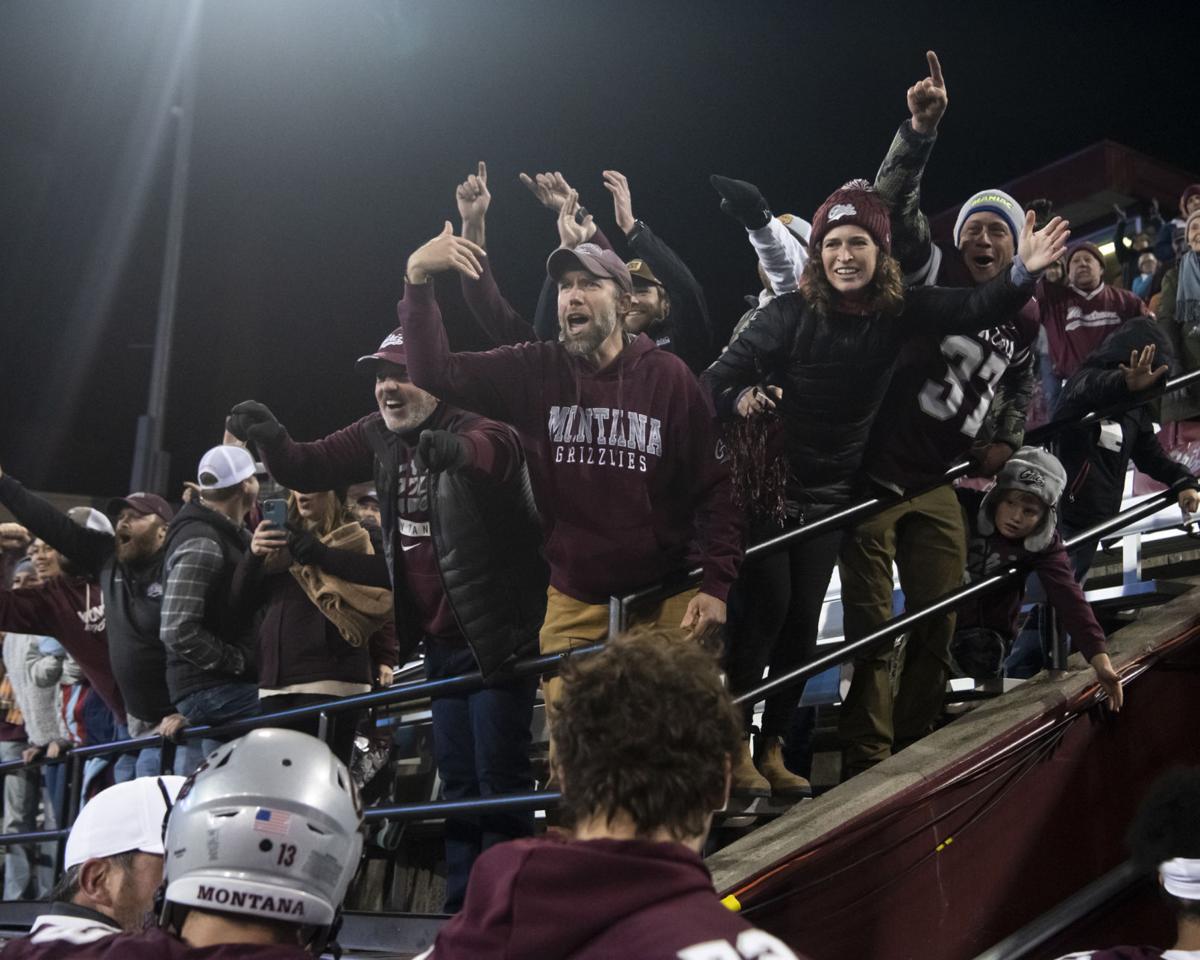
column 421, row 690
column 902, row 624
column 618, row 607
column 547, row 799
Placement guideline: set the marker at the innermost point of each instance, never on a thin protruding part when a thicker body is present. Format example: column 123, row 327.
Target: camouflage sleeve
column 1005, row 421
column 899, row 184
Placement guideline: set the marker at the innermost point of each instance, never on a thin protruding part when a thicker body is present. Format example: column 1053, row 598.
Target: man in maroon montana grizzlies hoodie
column 623, row 454
column 639, row 789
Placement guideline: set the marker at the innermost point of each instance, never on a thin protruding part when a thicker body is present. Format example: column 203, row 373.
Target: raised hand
column 551, row 189
column 13, row 536
column 1140, row 374
column 445, row 252
column 571, row 232
column 927, row 98
column 251, row 420
column 616, row 184
column 1041, row 248
column 473, row 200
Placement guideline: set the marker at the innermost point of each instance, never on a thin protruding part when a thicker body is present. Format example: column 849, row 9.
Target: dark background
column 329, row 137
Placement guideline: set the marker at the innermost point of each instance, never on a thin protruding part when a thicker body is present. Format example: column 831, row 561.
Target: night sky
column 329, row 137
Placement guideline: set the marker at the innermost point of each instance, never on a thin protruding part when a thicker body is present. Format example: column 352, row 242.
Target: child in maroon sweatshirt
column 1015, row 522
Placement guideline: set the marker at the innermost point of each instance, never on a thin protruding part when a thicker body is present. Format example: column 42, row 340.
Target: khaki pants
column 926, row 539
column 571, row 624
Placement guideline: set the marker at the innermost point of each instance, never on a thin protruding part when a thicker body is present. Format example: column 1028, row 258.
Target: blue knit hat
column 992, row 201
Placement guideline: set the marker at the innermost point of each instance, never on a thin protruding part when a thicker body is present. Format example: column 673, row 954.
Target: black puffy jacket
column 486, row 531
column 488, row 540
column 835, row 369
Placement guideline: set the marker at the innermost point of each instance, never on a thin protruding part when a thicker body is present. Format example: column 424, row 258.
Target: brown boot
column 747, row 781
column 784, row 784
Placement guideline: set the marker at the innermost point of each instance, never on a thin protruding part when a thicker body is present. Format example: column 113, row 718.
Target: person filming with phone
column 321, row 580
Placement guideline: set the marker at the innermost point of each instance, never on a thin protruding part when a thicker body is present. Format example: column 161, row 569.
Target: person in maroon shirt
column 629, row 475
column 462, row 541
column 640, row 785
column 1080, row 314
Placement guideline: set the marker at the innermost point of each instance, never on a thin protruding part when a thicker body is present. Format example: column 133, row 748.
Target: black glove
column 442, row 450
column 252, row 421
column 305, row 547
column 743, row 201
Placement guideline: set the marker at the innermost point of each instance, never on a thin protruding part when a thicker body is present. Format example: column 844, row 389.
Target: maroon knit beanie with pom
column 855, row 202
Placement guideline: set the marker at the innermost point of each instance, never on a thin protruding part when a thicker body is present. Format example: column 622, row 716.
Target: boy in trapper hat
column 1015, row 522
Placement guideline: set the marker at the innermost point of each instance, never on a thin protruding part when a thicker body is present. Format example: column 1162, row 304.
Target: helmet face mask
column 268, row 827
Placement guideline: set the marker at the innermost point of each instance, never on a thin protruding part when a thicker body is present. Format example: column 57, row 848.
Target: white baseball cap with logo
column 125, row 817
column 223, row 467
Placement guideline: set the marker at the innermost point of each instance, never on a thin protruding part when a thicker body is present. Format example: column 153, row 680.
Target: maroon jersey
column 939, row 396
column 1076, row 322
column 150, row 945
column 653, row 901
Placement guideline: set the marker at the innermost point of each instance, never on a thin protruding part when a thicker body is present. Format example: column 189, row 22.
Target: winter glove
column 306, row 548
column 253, row 422
column 743, row 201
column 442, row 450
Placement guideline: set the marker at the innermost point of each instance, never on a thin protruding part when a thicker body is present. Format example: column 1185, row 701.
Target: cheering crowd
column 604, row 446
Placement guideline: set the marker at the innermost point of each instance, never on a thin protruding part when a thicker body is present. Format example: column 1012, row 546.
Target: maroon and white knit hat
column 1086, row 246
column 855, row 202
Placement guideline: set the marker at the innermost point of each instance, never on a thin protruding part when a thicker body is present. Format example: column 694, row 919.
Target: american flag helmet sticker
column 272, row 821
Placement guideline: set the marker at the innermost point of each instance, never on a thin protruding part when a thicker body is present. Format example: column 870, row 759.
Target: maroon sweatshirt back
column 630, row 477
column 596, row 900
column 71, row 610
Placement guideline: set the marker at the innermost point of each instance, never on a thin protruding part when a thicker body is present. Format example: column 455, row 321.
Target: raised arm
column 944, row 310
column 691, row 332
column 492, row 382
column 87, row 548
column 498, row 318
column 899, row 178
column 338, row 460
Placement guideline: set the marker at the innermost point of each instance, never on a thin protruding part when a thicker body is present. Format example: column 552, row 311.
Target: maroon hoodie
column 629, row 475
column 596, row 900
column 71, row 610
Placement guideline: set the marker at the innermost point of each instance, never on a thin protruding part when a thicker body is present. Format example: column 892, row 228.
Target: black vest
column 232, row 626
column 488, row 539
column 133, row 610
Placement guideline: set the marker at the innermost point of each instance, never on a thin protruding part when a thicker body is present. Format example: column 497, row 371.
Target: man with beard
column 127, row 562
column 462, row 539
column 112, row 867
column 621, row 440
column 1079, row 315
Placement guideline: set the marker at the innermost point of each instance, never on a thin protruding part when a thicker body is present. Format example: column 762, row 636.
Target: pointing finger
column 935, row 68
column 482, row 171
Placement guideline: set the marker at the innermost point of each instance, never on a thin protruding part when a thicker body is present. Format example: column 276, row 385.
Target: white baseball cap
column 224, row 466
column 126, row 816
column 91, row 519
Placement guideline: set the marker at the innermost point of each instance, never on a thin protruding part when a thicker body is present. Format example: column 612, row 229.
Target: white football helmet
column 268, row 826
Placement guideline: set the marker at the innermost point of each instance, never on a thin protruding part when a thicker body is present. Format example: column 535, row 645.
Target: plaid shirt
column 191, row 572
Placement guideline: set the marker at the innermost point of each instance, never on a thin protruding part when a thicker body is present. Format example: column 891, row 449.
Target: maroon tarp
column 949, row 868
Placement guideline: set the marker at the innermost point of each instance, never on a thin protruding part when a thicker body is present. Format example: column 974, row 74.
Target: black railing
column 548, row 663
column 619, row 607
